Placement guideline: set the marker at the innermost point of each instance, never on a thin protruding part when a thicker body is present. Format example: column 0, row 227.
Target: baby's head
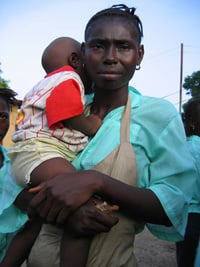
column 60, row 53
column 65, row 51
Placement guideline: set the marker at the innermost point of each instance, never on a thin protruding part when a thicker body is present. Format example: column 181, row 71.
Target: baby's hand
column 96, row 122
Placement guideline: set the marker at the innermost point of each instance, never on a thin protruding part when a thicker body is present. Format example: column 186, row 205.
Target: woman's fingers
column 38, row 198
column 62, row 216
column 36, row 189
column 89, row 220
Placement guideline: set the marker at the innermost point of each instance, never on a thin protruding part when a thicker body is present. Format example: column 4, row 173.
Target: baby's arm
column 87, row 125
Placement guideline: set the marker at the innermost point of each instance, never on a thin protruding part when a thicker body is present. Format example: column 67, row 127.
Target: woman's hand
column 90, row 220
column 56, row 199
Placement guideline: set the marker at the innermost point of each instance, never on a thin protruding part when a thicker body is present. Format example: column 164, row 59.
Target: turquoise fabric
column 163, row 161
column 11, row 218
column 194, row 147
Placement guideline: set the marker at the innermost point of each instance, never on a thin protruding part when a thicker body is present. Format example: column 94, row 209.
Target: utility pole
column 181, row 79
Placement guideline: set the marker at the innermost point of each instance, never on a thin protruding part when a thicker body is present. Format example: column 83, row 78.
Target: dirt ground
column 152, row 252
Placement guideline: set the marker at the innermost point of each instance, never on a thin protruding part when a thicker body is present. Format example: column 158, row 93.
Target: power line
column 170, row 94
column 192, row 46
column 165, row 52
column 161, row 53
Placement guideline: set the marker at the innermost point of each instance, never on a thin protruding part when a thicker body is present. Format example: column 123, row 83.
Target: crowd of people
column 94, row 160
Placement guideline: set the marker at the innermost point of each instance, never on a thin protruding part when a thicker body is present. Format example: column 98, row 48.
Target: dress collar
column 135, row 95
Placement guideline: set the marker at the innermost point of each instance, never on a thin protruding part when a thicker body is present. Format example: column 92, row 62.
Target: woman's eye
column 3, row 116
column 124, row 47
column 98, row 46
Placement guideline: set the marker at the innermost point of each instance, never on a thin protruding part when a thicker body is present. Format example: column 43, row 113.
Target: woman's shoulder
column 152, row 106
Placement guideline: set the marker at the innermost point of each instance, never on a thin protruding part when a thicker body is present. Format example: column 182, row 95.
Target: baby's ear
column 74, row 60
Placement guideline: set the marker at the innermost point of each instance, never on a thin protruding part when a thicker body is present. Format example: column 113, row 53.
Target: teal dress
column 11, row 218
column 164, row 164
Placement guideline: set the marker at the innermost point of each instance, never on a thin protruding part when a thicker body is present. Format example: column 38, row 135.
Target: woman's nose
column 111, row 55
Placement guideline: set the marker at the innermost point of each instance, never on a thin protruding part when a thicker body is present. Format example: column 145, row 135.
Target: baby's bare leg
column 74, row 250
column 49, row 169
column 21, row 244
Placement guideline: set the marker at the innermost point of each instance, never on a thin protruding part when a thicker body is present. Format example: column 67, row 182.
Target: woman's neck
column 105, row 101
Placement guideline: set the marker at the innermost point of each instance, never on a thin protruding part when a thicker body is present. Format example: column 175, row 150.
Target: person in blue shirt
column 7, row 98
column 138, row 160
column 186, row 249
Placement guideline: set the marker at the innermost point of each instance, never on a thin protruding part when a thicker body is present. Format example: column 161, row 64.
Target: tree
column 192, row 84
column 3, row 82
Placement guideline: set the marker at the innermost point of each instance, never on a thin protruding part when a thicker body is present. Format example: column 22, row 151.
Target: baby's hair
column 118, row 11
column 190, row 115
column 8, row 95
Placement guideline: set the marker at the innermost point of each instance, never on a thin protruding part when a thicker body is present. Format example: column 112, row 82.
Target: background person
column 7, row 98
column 186, row 249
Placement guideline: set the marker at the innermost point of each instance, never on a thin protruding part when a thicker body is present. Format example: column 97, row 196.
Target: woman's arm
column 69, row 192
column 138, row 203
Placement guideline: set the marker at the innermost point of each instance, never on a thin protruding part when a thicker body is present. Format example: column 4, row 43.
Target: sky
column 28, row 26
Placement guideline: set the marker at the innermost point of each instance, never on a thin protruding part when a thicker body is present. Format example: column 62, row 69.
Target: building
column 7, row 142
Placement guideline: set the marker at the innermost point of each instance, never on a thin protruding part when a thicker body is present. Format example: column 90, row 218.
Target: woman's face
column 111, row 53
column 4, row 118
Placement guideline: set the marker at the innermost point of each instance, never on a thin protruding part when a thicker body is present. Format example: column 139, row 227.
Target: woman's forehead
column 112, row 26
column 105, row 21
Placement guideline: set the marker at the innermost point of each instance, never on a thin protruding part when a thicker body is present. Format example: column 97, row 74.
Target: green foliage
column 192, row 84
column 3, row 82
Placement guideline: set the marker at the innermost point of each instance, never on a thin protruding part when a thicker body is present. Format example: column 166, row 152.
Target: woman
column 135, row 160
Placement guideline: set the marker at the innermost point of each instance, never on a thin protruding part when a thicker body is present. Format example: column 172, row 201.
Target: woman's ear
column 74, row 60
column 140, row 54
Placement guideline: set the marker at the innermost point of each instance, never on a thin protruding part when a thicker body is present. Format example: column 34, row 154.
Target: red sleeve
column 63, row 103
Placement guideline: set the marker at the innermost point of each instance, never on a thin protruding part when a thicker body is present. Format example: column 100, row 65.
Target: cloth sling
column 115, row 249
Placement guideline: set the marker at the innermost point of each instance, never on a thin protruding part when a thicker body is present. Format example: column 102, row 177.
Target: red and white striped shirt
column 59, row 96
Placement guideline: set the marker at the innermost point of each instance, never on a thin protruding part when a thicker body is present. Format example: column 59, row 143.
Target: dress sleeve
column 63, row 103
column 172, row 178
